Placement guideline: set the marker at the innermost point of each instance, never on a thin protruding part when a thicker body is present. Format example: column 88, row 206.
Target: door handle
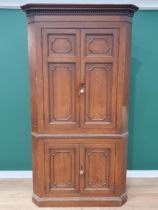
column 81, row 172
column 82, row 89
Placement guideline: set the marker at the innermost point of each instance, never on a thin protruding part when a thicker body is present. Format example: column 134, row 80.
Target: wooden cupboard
column 79, row 74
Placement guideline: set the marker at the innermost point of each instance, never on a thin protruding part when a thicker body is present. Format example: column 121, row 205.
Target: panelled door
column 80, row 78
column 79, row 168
column 97, row 168
column 99, row 50
column 62, row 168
column 61, row 69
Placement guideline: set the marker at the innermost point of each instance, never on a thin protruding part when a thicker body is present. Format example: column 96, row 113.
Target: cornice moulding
column 80, row 9
column 142, row 4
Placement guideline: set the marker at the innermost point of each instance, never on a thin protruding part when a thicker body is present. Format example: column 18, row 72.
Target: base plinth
column 79, row 201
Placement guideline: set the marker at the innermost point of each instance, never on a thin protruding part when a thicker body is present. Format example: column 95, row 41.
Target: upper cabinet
column 79, row 67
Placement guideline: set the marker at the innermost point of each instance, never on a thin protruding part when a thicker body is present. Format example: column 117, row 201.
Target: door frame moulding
column 142, row 4
column 28, row 174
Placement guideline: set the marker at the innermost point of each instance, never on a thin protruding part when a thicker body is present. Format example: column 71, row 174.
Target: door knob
column 81, row 172
column 82, row 89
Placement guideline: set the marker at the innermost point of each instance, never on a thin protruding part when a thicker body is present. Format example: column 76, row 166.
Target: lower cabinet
column 79, row 168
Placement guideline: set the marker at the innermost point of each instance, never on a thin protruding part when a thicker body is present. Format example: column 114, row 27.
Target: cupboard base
column 79, row 201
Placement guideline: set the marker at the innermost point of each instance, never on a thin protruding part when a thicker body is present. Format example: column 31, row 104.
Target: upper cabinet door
column 99, row 52
column 61, row 72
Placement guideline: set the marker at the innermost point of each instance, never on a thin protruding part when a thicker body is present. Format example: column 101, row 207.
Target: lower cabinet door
column 61, row 168
column 97, row 165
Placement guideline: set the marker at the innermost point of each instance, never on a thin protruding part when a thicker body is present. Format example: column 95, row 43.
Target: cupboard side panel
column 38, row 166
column 123, row 77
column 127, row 76
column 121, row 166
column 33, row 72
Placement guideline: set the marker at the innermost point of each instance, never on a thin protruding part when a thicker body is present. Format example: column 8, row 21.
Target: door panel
column 61, row 92
column 61, row 70
column 99, row 44
column 97, row 162
column 98, row 91
column 99, row 50
column 61, row 168
column 61, row 44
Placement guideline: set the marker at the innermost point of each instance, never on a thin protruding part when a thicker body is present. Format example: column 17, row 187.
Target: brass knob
column 82, row 89
column 81, row 172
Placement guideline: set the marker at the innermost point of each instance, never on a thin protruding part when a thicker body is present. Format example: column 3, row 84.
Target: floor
column 15, row 194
